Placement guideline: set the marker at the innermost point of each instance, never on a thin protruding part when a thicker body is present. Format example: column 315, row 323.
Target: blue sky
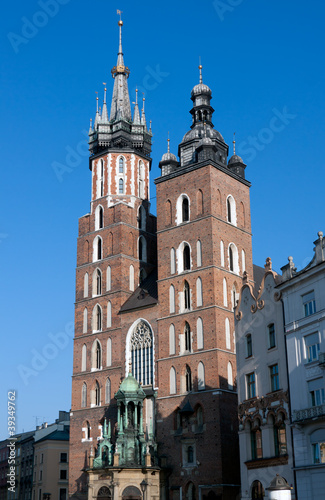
column 264, row 64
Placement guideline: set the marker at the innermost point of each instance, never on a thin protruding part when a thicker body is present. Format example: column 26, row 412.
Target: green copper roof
column 130, row 384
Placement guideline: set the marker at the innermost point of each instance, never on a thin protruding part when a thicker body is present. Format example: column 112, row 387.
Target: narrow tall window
column 231, row 210
column 108, row 278
column 243, row 260
column 98, row 356
column 172, row 261
column 109, row 353
column 198, row 253
column 185, row 210
column 85, row 320
column 312, row 347
column 97, row 319
column 186, row 258
column 141, row 352
column 227, row 328
column 131, row 278
column 121, row 165
column 228, row 210
column 230, row 377
column 188, row 340
column 142, row 249
column 168, row 213
column 172, row 381
column 171, row 299
column 142, row 218
column 280, row 441
column 187, row 300
column 86, row 281
column 101, row 178
column 97, row 394
column 108, row 391
column 84, row 358
column 200, row 377
column 249, row 345
column 120, row 186
column 98, row 282
column 99, row 217
column 231, row 259
column 172, row 341
column 199, row 294
column 109, row 314
column 250, row 385
column 199, row 202
column 199, row 333
column 224, row 287
column 271, row 335
column 222, row 254
column 188, row 379
column 256, row 443
column 274, row 377
column 84, row 395
column 97, row 248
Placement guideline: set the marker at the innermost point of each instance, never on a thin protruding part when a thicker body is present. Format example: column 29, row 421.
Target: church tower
column 115, row 253
column 204, row 246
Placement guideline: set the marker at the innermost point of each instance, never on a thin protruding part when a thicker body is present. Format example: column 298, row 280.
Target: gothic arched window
column 188, row 340
column 97, row 394
column 185, row 210
column 186, row 258
column 121, row 165
column 84, row 395
column 120, row 186
column 141, row 347
column 188, row 379
column 187, row 302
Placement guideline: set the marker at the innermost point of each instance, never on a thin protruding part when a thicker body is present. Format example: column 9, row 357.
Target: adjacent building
column 263, row 393
column 303, row 296
column 154, row 403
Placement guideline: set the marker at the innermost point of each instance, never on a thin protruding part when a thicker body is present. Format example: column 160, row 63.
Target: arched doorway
column 104, row 493
column 257, row 491
column 131, row 493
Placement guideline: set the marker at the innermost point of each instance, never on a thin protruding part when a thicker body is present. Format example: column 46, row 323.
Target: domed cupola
column 236, row 164
column 202, row 142
column 168, row 162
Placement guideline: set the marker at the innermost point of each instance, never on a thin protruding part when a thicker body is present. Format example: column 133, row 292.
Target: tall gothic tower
column 154, row 401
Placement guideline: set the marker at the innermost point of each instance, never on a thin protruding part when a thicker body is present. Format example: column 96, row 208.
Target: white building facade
column 303, row 297
column 263, row 398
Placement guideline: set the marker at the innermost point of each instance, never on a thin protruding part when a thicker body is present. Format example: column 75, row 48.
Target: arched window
column 227, row 328
column 109, row 314
column 187, row 298
column 97, row 282
column 142, row 275
column 182, row 209
column 186, row 257
column 84, row 358
column 120, row 186
column 171, row 299
column 97, row 394
column 185, row 210
column 257, row 491
column 172, row 381
column 97, row 355
column 243, row 261
column 85, row 320
column 242, row 213
column 109, row 353
column 86, row 251
column 84, row 395
column 225, row 298
column 86, row 280
column 172, row 261
column 121, row 165
column 280, row 441
column 233, row 258
column 87, row 432
column 222, row 254
column 231, row 210
column 131, row 278
column 142, row 218
column 256, row 441
column 198, row 253
column 168, row 213
column 230, row 377
column 141, row 347
column 190, row 454
column 234, row 297
column 199, row 202
column 100, row 179
column 110, row 243
column 172, row 340
column 141, row 176
column 108, row 391
column 142, row 249
column 200, row 376
column 97, row 318
column 188, row 337
column 188, row 379
column 99, row 217
column 199, row 333
column 97, row 249
column 108, row 278
column 199, row 294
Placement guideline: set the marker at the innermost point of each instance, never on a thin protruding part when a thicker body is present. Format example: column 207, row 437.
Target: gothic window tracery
column 141, row 346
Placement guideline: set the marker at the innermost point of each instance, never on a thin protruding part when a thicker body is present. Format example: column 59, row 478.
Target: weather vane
column 119, row 13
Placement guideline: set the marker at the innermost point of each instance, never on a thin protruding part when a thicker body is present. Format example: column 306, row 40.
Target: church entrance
column 131, row 493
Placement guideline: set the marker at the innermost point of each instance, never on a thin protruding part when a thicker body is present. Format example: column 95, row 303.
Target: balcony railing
column 308, row 413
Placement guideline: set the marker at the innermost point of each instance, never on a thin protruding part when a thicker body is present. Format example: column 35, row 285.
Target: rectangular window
column 249, row 346
column 312, row 347
column 274, row 375
column 271, row 331
column 40, row 475
column 63, row 474
column 309, row 303
column 317, row 397
column 250, row 383
column 63, row 457
column 39, row 494
column 280, row 443
column 319, row 453
column 63, row 494
column 256, row 444
column 42, row 458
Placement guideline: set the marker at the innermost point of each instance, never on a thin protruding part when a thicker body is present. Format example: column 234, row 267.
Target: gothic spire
column 104, row 111
column 143, row 116
column 120, row 107
column 136, row 115
column 97, row 113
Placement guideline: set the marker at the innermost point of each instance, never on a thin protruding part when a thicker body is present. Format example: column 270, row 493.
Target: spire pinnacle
column 90, row 126
column 136, row 114
column 200, row 69
column 143, row 116
column 120, row 107
column 234, row 143
column 168, row 145
column 97, row 113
